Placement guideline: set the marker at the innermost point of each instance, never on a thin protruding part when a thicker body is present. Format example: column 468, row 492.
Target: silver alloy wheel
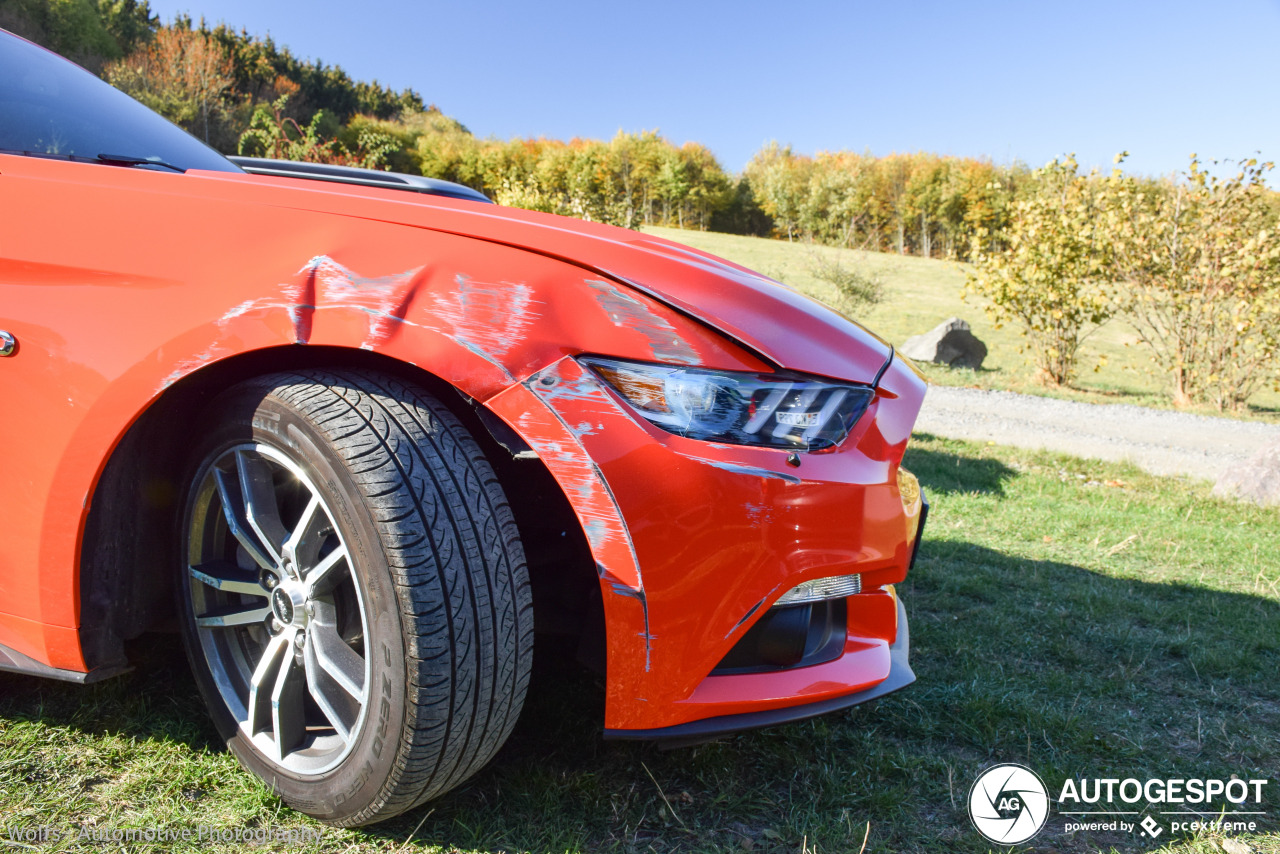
column 279, row 610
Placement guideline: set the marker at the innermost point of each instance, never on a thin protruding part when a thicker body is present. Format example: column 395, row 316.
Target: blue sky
column 1012, row 81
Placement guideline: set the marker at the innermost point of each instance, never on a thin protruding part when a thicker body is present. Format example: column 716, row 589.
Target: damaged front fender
column 477, row 315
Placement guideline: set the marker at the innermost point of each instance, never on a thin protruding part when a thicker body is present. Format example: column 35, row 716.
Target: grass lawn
column 920, row 293
column 1083, row 618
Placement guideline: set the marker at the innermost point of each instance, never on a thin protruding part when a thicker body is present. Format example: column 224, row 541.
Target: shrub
column 1053, row 276
column 271, row 133
column 1199, row 260
column 856, row 289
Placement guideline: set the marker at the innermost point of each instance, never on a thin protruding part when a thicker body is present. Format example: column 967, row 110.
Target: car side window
column 52, row 107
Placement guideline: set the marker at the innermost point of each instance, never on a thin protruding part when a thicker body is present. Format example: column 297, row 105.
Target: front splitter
column 697, row 732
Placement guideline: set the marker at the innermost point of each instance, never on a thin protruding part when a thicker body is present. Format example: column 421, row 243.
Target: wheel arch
column 128, row 547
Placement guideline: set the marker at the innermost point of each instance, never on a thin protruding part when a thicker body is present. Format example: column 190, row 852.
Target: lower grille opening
column 789, row 636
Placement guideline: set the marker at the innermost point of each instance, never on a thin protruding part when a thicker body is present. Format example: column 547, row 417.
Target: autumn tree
column 780, row 180
column 921, row 203
column 1199, row 259
column 1053, row 279
column 260, row 66
column 834, row 209
column 182, row 74
column 671, row 188
column 926, row 195
column 709, row 187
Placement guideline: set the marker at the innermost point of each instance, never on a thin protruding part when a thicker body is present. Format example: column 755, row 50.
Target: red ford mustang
column 363, row 442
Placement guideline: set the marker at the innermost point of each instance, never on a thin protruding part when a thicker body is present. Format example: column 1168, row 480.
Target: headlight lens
column 772, row 410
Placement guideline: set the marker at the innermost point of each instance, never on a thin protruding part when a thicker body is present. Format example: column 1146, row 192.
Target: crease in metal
column 586, row 388
column 752, row 471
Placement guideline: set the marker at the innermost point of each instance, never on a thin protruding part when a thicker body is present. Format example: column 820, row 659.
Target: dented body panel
column 121, row 284
column 730, row 528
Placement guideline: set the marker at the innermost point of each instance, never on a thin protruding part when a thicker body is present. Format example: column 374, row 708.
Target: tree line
column 921, row 204
column 244, row 94
column 1192, row 262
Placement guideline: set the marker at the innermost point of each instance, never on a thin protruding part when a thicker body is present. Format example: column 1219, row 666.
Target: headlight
column 774, row 410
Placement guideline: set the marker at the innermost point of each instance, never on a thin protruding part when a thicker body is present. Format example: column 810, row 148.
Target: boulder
column 949, row 343
column 1256, row 479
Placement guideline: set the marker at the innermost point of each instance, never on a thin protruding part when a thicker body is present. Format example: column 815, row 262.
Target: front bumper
column 695, row 541
column 695, row 732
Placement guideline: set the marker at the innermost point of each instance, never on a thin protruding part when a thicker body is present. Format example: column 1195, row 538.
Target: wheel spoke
column 262, row 683
column 229, row 578
column 233, row 512
column 315, row 675
column 320, row 578
column 260, row 509
column 288, row 716
column 342, row 663
column 233, row 615
column 309, row 534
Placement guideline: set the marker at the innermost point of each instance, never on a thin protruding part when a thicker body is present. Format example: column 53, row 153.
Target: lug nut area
column 289, row 604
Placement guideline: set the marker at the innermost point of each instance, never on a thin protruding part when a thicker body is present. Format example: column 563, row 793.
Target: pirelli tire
column 353, row 597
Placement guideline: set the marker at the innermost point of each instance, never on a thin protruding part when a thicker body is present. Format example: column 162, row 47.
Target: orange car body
column 122, row 286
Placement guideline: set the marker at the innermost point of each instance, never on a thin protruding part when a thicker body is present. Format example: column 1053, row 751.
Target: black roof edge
column 356, row 175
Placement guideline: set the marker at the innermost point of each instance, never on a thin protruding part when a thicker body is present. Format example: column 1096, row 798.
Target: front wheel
column 354, row 596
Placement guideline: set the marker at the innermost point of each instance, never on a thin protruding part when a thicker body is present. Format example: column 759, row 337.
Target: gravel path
column 1160, row 441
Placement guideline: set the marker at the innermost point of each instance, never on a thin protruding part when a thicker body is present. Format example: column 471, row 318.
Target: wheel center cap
column 288, row 605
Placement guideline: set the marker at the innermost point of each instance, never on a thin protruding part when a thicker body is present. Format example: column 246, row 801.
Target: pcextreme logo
column 1009, row 805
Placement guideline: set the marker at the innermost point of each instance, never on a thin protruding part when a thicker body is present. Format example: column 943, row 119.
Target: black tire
column 386, row 617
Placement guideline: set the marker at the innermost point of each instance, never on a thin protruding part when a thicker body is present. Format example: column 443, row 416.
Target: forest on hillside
column 245, row 94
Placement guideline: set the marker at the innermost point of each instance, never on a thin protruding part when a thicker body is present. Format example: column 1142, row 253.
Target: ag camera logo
column 1008, row 804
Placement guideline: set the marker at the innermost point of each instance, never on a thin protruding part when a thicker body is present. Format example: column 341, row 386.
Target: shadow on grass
column 941, row 369
column 942, row 473
column 158, row 699
column 1045, row 663
column 1069, row 671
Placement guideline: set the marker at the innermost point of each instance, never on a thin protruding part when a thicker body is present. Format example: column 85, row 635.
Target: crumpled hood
column 787, row 328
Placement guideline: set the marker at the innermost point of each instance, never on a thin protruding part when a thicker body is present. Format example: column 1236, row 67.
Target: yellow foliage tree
column 1199, row 259
column 1053, row 276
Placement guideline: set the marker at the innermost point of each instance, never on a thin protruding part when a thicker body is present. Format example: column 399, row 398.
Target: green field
column 920, row 293
column 1083, row 618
